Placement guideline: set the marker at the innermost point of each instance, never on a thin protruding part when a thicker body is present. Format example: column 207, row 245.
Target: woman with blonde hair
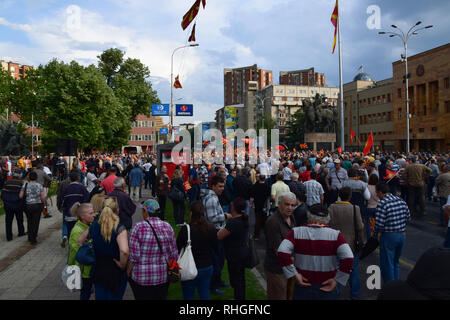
column 110, row 242
column 85, row 215
column 97, row 203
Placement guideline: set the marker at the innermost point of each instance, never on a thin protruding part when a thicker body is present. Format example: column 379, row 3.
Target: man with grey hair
column 126, row 205
column 296, row 187
column 315, row 265
column 277, row 227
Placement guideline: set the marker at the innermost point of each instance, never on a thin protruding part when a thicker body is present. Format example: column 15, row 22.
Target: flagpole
column 341, row 84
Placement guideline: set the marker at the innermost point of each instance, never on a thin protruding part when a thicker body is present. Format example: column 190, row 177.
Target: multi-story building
column 144, row 132
column 307, row 77
column 429, row 100
column 235, row 82
column 17, row 70
column 368, row 107
column 282, row 101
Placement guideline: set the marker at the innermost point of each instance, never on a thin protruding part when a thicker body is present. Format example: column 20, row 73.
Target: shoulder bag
column 176, row 194
column 173, row 269
column 358, row 242
column 252, row 258
column 86, row 254
column 186, row 260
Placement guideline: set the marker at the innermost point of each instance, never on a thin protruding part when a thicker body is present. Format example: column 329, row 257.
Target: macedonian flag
column 369, row 145
column 177, row 83
column 192, row 37
column 191, row 14
column 334, row 21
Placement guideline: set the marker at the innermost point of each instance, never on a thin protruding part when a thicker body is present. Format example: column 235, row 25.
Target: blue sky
column 275, row 34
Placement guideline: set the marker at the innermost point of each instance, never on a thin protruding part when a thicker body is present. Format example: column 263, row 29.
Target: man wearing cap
column 334, row 180
column 317, row 250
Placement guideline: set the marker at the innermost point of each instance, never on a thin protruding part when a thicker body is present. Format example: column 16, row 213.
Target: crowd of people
column 315, row 213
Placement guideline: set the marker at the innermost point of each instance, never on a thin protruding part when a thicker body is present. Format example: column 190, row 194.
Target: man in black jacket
column 242, row 186
column 13, row 204
column 126, row 206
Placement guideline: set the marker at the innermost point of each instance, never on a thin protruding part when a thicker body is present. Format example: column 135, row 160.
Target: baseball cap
column 149, row 205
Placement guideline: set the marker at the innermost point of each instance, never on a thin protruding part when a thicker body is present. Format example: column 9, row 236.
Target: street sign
column 164, row 131
column 184, row 110
column 160, row 110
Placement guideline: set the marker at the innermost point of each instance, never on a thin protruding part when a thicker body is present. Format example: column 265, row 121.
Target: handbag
column 252, row 258
column 86, row 253
column 175, row 194
column 186, row 260
column 358, row 242
column 173, row 269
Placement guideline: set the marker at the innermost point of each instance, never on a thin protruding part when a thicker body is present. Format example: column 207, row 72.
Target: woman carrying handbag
column 203, row 239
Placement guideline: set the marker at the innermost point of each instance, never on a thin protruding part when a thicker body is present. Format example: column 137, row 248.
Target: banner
column 160, row 109
column 184, row 110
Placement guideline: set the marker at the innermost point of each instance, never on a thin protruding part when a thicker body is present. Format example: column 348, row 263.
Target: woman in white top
column 371, row 204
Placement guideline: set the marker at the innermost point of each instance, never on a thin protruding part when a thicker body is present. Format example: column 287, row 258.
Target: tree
column 296, row 128
column 6, row 81
column 269, row 124
column 128, row 81
column 74, row 102
column 13, row 139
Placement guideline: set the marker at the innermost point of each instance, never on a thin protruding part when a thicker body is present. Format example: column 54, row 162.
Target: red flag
column 369, row 144
column 177, row 83
column 192, row 37
column 339, row 149
column 390, row 174
column 190, row 15
column 334, row 21
column 204, row 3
column 352, row 135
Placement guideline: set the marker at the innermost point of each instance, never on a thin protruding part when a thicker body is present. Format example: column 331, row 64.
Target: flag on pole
column 334, row 20
column 192, row 37
column 191, row 14
column 352, row 135
column 390, row 174
column 339, row 149
column 360, row 67
column 369, row 144
column 204, row 3
column 177, row 83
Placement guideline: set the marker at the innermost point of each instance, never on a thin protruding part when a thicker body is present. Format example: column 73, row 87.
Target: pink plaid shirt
column 150, row 267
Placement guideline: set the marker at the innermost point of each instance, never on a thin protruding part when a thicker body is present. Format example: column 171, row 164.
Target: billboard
column 160, row 109
column 184, row 110
column 230, row 121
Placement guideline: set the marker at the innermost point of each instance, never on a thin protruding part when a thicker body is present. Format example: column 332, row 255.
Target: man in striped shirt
column 391, row 218
column 316, row 249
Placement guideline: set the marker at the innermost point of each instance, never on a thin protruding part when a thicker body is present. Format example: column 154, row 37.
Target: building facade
column 307, row 77
column 18, row 71
column 429, row 100
column 235, row 82
column 368, row 107
column 145, row 132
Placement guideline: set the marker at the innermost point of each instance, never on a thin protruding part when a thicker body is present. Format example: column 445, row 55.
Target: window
column 290, row 99
column 399, row 113
column 421, row 129
column 399, row 92
column 389, row 97
column 447, row 83
column 424, row 110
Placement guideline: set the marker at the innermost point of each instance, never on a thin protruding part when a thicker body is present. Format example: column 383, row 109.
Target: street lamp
column 262, row 108
column 171, row 88
column 405, row 38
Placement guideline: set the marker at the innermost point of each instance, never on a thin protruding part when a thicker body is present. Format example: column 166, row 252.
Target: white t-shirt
column 147, row 167
column 287, row 173
column 90, row 177
column 47, row 171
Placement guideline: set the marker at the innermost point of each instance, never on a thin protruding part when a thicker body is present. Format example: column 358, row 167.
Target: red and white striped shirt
column 316, row 250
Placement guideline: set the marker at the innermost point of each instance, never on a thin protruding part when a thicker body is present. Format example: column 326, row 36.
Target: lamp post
column 171, row 88
column 405, row 37
column 262, row 108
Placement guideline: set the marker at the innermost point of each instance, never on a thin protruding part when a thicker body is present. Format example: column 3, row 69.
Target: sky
column 277, row 35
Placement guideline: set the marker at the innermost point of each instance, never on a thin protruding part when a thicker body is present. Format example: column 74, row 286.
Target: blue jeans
column 226, row 208
column 83, row 177
column 247, row 211
column 201, row 282
column 355, row 284
column 313, row 293
column 391, row 246
column 67, row 227
column 101, row 293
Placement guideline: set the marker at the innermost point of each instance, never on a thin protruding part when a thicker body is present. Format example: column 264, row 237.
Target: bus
column 132, row 149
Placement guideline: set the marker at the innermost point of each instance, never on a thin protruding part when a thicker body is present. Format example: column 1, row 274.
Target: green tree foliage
column 13, row 139
column 127, row 78
column 296, row 128
column 6, row 81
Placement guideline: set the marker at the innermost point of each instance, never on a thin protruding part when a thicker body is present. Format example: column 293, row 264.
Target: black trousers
column 260, row 221
column 147, row 180
column 236, row 272
column 162, row 205
column 9, row 217
column 33, row 213
column 158, row 292
column 419, row 194
column 179, row 210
